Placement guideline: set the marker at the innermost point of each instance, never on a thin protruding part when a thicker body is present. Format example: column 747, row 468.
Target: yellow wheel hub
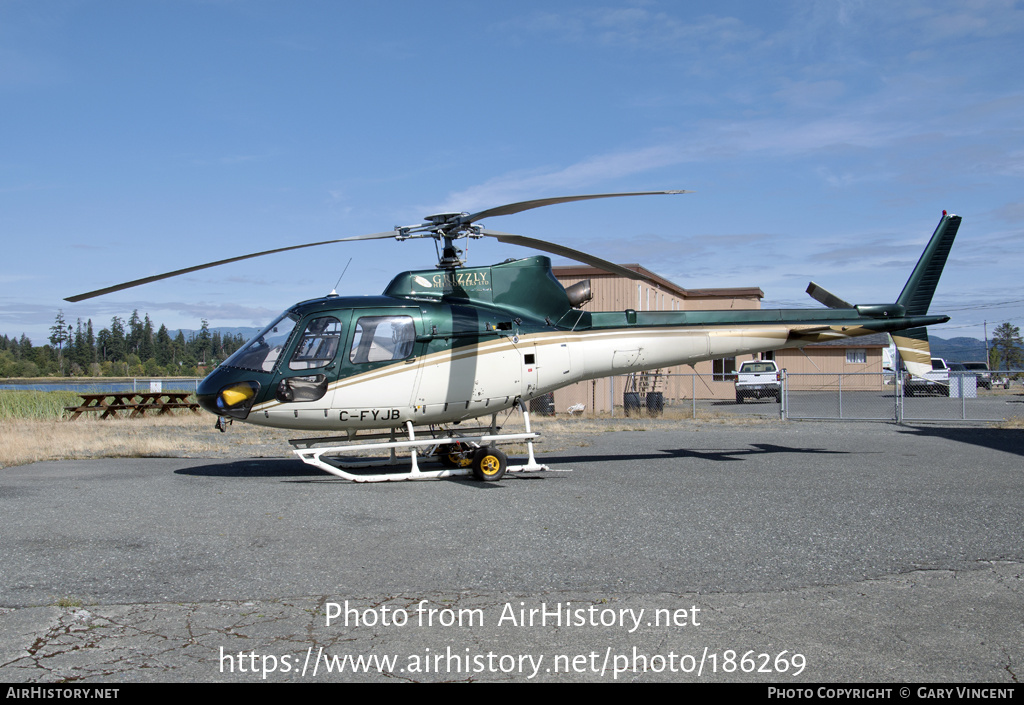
column 490, row 465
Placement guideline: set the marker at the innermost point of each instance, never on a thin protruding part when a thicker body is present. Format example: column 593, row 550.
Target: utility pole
column 986, row 344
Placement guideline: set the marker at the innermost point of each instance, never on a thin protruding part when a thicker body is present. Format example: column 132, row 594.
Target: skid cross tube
column 328, row 458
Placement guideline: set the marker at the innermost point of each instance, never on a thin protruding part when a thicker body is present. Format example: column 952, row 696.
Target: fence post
column 784, row 396
column 693, row 394
column 897, row 386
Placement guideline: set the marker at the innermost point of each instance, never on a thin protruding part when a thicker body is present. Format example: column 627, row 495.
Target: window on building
column 856, row 356
column 723, row 369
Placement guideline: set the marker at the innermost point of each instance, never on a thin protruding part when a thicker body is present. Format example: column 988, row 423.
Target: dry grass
column 32, row 440
column 190, row 435
column 183, row 435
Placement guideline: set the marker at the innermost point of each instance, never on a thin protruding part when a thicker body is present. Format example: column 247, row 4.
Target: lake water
column 93, row 386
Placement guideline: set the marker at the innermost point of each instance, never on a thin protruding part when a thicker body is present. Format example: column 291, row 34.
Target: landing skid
column 470, row 452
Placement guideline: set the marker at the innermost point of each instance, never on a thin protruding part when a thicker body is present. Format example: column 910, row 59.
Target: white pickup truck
column 934, row 382
column 757, row 379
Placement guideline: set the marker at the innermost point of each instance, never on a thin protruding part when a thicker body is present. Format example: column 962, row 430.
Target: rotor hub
column 446, row 218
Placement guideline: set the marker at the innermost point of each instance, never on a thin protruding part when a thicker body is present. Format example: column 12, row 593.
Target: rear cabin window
column 382, row 338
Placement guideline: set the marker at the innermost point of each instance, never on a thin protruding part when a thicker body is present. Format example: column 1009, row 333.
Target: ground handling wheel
column 456, row 455
column 489, row 464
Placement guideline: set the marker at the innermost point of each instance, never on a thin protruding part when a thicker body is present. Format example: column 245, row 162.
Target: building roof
column 583, row 271
column 875, row 340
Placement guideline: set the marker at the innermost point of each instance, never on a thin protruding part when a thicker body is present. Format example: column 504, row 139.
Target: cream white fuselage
column 488, row 377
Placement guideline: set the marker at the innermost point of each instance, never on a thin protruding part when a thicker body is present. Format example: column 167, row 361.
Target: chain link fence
column 966, row 397
column 654, row 395
column 852, row 397
column 858, row 396
column 963, row 397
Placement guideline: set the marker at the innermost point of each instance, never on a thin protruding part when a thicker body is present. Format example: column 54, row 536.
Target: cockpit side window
column 382, row 338
column 263, row 352
column 317, row 345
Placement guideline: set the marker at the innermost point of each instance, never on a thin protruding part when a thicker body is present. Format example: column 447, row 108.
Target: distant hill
column 958, row 349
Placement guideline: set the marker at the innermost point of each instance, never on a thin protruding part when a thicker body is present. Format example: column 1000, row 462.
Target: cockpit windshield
column 262, row 352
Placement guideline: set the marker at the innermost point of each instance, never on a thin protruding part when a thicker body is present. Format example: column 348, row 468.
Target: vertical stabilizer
column 917, row 294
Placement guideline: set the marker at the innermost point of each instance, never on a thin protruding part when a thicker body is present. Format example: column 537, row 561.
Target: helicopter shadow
column 1007, row 440
column 287, row 469
column 723, row 455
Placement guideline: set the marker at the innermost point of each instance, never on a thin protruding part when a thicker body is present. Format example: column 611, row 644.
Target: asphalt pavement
column 777, row 552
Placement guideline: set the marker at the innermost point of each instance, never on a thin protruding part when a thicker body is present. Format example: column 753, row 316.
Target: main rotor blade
column 187, row 270
column 540, row 202
column 583, row 257
column 372, row 236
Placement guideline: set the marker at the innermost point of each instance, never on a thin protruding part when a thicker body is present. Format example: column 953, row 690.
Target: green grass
column 19, row 404
column 31, row 404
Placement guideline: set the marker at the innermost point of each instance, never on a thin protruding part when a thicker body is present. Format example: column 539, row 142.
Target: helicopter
column 448, row 345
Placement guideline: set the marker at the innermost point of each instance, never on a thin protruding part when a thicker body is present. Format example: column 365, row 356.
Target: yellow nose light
column 237, row 394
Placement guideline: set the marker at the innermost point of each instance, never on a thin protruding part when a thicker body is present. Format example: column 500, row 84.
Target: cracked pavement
column 874, row 553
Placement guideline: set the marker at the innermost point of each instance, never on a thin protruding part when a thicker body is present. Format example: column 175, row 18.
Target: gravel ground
column 865, row 553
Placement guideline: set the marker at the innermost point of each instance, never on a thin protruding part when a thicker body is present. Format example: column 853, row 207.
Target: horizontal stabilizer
column 824, row 296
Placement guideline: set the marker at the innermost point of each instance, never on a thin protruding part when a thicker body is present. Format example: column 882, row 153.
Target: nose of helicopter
column 224, row 393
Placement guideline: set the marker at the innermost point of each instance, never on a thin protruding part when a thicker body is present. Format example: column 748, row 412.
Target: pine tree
column 60, row 336
column 77, row 354
column 134, row 335
column 90, row 341
column 1008, row 346
column 162, row 347
column 146, row 350
column 117, row 349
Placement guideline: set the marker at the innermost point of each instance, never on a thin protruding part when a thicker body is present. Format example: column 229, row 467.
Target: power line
column 986, row 306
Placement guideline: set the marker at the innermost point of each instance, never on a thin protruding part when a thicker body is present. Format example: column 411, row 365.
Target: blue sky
column 822, row 141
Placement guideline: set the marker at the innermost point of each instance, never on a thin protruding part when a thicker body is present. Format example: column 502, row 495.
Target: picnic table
column 109, row 404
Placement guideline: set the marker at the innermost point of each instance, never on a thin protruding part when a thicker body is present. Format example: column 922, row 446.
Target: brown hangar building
column 712, row 379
